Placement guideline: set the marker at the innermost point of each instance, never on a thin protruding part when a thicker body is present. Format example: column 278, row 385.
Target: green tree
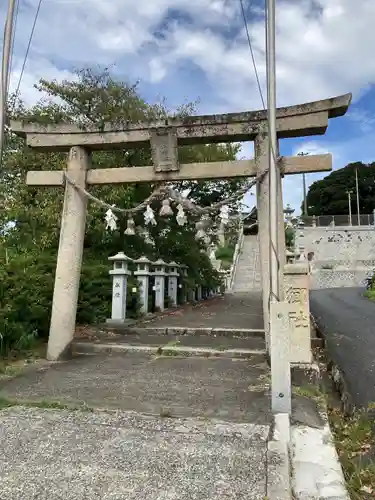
column 29, row 249
column 95, row 98
column 329, row 196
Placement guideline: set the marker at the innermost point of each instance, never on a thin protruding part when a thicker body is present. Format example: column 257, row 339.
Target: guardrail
column 338, row 220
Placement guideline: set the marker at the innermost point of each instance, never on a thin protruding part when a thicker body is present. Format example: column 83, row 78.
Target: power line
column 5, row 65
column 14, row 36
column 6, row 74
column 255, row 69
column 27, row 51
column 272, row 151
column 252, row 54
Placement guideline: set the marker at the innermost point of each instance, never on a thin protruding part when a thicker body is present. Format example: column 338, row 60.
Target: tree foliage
column 29, row 249
column 329, row 196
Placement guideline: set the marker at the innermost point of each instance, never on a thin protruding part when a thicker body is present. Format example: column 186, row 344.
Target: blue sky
column 186, row 50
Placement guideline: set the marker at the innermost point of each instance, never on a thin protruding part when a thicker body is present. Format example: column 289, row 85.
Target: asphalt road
column 347, row 320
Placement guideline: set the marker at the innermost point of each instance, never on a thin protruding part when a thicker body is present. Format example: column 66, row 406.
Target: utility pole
column 350, row 207
column 273, row 168
column 5, row 71
column 279, row 334
column 357, row 192
column 304, row 188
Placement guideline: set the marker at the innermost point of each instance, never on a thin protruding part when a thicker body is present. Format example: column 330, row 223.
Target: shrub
column 26, row 285
column 26, row 289
column 370, row 281
column 225, row 253
column 290, row 235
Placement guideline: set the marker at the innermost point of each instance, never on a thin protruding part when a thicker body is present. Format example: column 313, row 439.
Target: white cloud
column 324, row 48
column 36, row 69
column 311, row 148
column 320, row 52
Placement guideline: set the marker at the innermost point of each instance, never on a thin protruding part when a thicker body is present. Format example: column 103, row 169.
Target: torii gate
column 164, row 137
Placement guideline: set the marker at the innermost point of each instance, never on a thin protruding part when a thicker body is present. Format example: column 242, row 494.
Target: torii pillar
column 164, row 137
column 69, row 261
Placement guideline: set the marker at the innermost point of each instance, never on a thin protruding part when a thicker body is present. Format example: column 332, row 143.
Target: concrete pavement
column 58, row 454
column 161, row 424
column 239, row 310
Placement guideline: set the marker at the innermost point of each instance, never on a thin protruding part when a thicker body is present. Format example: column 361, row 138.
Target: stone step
column 201, row 342
column 248, row 269
column 187, row 341
column 246, row 278
column 247, row 285
column 247, row 288
column 232, row 390
column 172, row 350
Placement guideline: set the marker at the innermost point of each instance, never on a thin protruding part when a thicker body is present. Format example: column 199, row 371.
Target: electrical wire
column 6, row 62
column 24, row 60
column 27, row 52
column 14, row 36
column 252, row 54
column 273, row 153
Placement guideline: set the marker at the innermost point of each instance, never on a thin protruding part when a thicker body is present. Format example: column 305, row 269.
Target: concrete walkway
column 239, row 311
column 63, row 455
column 136, row 426
column 160, row 424
column 141, row 424
column 347, row 320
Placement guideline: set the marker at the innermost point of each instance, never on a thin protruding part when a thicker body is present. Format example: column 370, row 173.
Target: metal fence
column 338, row 220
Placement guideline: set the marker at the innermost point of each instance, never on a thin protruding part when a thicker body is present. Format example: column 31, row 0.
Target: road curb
column 316, row 468
column 278, row 460
column 317, row 472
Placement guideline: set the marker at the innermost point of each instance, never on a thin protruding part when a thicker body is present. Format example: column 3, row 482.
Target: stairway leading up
column 247, row 275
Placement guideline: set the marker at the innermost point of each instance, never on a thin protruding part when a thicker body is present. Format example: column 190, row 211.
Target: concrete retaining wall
column 339, row 257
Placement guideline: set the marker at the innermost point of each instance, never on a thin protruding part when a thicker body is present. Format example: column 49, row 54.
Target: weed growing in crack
column 355, row 443
column 44, row 404
column 165, row 413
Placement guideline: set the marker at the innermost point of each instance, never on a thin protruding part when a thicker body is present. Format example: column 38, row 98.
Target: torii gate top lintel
column 164, row 139
column 292, row 121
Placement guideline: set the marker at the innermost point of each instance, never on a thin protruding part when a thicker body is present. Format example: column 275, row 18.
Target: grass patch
column 171, row 352
column 355, row 443
column 53, row 405
column 370, row 294
column 173, row 343
column 222, row 348
column 226, row 264
column 165, row 413
column 308, row 391
column 15, row 362
column 312, row 392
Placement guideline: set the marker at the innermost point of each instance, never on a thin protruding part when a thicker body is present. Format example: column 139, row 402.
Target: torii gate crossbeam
column 164, row 137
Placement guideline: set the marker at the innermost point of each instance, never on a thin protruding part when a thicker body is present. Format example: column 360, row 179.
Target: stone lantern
column 289, row 211
column 143, row 275
column 183, row 274
column 119, row 273
column 173, row 282
column 160, row 274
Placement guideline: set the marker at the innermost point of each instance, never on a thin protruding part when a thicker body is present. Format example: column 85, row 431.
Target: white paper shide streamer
column 181, row 217
column 224, row 215
column 149, row 216
column 111, row 220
